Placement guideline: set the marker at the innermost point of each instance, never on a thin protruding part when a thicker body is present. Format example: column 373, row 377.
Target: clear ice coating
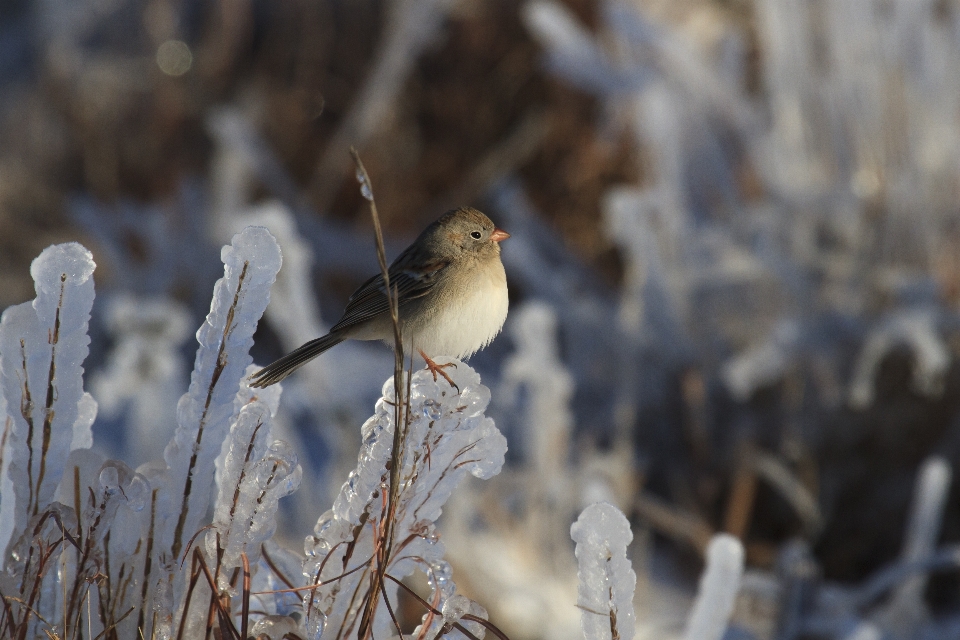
column 447, row 437
column 907, row 608
column 607, row 580
column 719, row 585
column 452, row 610
column 365, row 189
column 252, row 478
column 275, row 627
column 6, row 486
column 205, row 412
column 44, row 344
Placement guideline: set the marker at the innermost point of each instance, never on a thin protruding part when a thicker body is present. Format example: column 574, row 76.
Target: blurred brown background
column 744, row 213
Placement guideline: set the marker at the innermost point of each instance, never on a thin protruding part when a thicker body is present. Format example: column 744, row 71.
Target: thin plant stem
column 492, row 628
column 400, row 415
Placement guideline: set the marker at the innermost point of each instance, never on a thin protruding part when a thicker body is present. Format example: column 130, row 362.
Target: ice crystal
column 607, row 580
column 44, row 343
column 254, row 475
column 718, row 589
column 205, row 412
column 445, row 437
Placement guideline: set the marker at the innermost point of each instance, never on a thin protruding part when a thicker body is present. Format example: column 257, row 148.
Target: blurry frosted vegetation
column 734, row 272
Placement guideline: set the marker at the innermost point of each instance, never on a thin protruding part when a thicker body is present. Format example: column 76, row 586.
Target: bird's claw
column 438, row 370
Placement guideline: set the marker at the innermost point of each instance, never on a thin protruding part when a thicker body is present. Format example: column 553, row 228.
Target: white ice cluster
column 447, row 436
column 915, row 329
column 907, row 607
column 255, row 472
column 44, row 344
column 607, row 580
column 719, row 585
column 52, row 482
column 205, row 412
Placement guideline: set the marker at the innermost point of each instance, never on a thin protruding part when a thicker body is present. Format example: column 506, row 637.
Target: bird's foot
column 438, row 370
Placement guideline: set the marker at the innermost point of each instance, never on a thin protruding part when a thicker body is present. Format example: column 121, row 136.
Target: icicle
column 255, row 475
column 205, row 412
column 718, row 589
column 447, row 437
column 44, row 344
column 607, row 580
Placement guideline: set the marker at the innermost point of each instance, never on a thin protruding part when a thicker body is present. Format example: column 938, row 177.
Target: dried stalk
column 401, row 410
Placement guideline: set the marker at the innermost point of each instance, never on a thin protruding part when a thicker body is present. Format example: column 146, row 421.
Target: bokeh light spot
column 174, row 57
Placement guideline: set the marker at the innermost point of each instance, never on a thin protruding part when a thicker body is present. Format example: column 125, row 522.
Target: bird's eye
column 475, row 235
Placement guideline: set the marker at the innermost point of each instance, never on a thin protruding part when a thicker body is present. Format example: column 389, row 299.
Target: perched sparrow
column 452, row 298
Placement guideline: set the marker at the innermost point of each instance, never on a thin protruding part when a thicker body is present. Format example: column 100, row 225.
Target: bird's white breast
column 467, row 320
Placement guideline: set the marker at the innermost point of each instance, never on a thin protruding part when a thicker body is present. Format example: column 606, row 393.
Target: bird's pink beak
column 499, row 235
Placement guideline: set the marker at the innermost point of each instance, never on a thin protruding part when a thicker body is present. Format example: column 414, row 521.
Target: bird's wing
column 370, row 300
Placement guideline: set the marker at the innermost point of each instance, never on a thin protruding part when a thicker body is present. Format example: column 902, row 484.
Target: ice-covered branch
column 917, row 329
column 907, row 607
column 108, row 498
column 44, row 344
column 446, row 437
column 256, row 472
column 205, row 412
column 719, row 585
column 607, row 580
column 930, row 496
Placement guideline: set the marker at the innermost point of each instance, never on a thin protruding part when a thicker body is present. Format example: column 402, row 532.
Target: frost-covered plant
column 916, row 329
column 446, row 436
column 43, row 344
column 718, row 589
column 607, row 580
column 537, row 368
column 255, row 472
column 90, row 542
column 205, row 412
column 94, row 547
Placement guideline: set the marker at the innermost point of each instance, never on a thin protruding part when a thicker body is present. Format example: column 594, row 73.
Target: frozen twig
column 607, row 581
column 907, row 607
column 256, row 472
column 718, row 589
column 447, row 436
column 205, row 412
column 44, row 343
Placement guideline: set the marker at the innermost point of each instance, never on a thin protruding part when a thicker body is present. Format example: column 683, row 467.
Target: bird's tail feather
column 277, row 371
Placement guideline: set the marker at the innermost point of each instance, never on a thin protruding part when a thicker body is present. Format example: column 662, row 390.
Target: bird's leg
column 438, row 369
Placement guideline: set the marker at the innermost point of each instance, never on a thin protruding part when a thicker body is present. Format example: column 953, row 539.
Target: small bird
column 452, row 293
